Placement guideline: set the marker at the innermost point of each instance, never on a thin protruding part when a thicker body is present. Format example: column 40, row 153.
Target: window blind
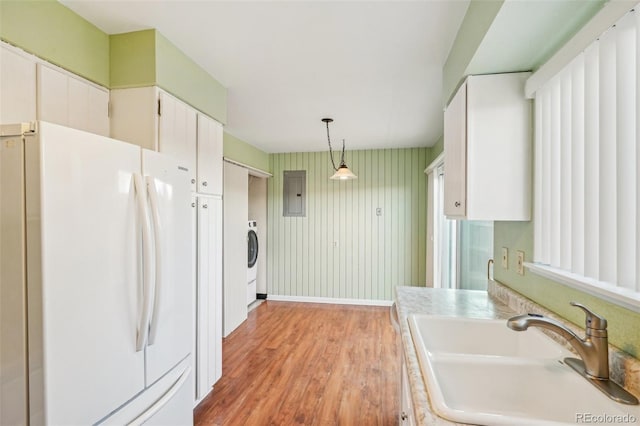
column 587, row 180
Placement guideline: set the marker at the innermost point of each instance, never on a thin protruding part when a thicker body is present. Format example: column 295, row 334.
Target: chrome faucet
column 593, row 349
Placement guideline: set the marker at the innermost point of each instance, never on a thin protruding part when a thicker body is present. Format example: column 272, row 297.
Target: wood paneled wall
column 342, row 249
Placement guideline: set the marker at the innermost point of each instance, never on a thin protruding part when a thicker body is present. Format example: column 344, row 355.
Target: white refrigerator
column 96, row 281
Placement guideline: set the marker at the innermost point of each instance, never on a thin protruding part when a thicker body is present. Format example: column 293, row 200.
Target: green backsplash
column 53, row 32
column 624, row 325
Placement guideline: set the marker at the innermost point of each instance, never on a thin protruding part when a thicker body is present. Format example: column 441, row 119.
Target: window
column 458, row 249
column 587, row 180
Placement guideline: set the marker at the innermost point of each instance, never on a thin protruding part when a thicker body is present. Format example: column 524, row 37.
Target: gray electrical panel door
column 294, row 193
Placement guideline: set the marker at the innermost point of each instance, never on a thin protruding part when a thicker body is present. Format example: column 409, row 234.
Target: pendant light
column 342, row 172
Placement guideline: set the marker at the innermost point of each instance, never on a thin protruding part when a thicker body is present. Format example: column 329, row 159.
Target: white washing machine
column 252, row 265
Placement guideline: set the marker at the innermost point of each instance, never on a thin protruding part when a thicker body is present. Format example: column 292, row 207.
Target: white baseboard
column 330, row 300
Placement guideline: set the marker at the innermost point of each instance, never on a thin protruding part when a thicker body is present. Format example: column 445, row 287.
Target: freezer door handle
column 161, row 402
column 157, row 235
column 147, row 288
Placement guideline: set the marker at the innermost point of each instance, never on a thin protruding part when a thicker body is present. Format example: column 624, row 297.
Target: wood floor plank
column 307, row 364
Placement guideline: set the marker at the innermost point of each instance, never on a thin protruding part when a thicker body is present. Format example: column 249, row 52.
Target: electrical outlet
column 505, row 258
column 520, row 262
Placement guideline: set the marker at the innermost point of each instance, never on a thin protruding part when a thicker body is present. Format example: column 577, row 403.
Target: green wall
column 373, row 254
column 242, row 152
column 147, row 58
column 475, row 25
column 53, row 32
column 179, row 75
column 132, row 59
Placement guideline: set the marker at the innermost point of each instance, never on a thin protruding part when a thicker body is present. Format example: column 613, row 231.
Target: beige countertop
column 420, row 300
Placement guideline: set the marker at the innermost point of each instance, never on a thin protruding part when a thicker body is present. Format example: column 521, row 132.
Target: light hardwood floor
column 309, row 364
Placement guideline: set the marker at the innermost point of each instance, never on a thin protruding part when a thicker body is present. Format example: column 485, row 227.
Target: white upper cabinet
column 487, row 145
column 155, row 120
column 71, row 101
column 209, row 172
column 18, row 83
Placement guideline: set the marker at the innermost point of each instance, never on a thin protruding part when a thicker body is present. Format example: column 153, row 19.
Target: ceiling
column 375, row 67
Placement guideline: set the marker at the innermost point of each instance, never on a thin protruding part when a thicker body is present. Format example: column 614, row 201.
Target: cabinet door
column 455, row 148
column 177, row 133
column 209, row 294
column 72, row 102
column 18, row 82
column 98, row 103
column 215, row 301
column 406, row 416
column 209, row 155
column 53, row 96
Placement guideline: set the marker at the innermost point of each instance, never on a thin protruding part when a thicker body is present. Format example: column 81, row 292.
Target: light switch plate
column 520, row 269
column 505, row 258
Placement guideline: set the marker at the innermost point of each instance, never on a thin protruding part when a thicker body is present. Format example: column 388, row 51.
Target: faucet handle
column 593, row 320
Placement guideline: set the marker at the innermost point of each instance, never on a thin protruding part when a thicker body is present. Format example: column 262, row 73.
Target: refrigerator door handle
column 157, row 406
column 157, row 235
column 147, row 288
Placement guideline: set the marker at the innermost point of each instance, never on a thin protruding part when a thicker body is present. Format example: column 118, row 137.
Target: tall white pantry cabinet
column 153, row 119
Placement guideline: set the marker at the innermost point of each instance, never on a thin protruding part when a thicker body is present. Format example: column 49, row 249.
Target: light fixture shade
column 343, row 173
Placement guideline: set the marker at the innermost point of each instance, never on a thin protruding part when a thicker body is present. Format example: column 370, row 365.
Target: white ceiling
column 375, row 67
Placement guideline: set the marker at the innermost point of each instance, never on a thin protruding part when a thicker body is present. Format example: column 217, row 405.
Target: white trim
column 330, row 300
column 610, row 13
column 617, row 295
column 435, row 163
column 252, row 170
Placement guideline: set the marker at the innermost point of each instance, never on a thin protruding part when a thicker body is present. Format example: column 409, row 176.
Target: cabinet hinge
column 109, row 109
column 159, row 110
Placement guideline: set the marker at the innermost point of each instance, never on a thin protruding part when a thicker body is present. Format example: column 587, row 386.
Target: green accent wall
column 133, row 59
column 179, row 75
column 53, row 32
column 147, row 58
column 373, row 254
column 242, row 152
column 476, row 23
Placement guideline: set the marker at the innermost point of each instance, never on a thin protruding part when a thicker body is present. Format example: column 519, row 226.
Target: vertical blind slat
column 565, row 170
column 591, row 162
column 577, row 166
column 625, row 34
column 546, row 177
column 637, row 141
column 608, row 228
column 555, row 173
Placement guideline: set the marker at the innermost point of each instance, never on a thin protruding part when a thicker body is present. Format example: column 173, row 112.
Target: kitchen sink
column 439, row 334
column 480, row 372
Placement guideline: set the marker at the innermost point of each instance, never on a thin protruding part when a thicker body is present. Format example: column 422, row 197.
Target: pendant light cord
column 331, row 151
